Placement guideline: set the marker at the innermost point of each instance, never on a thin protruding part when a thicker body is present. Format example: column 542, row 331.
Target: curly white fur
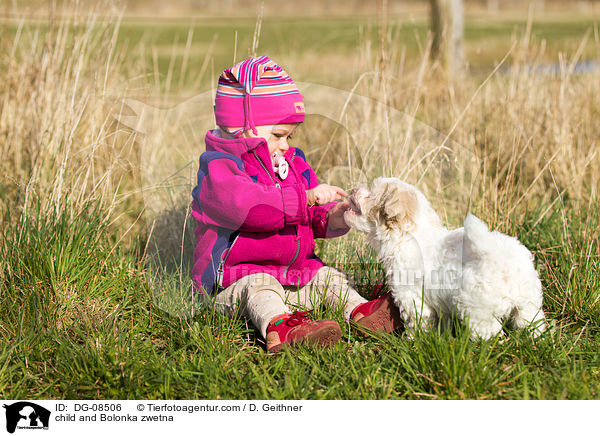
column 482, row 277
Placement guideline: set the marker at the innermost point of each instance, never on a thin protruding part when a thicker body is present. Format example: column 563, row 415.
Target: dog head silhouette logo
column 24, row 414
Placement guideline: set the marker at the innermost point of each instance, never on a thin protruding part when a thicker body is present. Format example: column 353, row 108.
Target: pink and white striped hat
column 257, row 92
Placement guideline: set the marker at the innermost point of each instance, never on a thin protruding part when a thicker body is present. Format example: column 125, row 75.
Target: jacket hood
column 236, row 146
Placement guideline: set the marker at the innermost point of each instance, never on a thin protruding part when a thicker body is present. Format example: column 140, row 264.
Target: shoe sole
column 386, row 318
column 324, row 336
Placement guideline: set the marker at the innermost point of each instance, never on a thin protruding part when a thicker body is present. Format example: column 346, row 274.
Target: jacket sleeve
column 229, row 198
column 317, row 215
column 320, row 225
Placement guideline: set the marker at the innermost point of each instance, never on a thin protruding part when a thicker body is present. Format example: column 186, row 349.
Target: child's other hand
column 335, row 216
column 324, row 193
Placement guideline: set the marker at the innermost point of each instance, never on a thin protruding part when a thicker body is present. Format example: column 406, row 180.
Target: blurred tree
column 447, row 23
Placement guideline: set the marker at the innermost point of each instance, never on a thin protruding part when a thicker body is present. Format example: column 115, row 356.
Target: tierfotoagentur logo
column 24, row 415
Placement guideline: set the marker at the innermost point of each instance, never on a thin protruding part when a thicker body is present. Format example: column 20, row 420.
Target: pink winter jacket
column 250, row 221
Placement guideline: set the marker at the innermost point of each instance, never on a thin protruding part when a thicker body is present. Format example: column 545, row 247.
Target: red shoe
column 295, row 327
column 380, row 314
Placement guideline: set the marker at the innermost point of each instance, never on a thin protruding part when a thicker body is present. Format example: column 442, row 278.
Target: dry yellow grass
column 521, row 139
column 59, row 145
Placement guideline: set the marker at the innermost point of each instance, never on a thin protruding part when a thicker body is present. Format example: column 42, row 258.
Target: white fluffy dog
column 482, row 277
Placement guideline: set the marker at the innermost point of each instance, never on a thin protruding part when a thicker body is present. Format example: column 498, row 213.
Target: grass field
column 304, row 41
column 80, row 318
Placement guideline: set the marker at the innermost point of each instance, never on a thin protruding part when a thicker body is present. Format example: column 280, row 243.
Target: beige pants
column 260, row 297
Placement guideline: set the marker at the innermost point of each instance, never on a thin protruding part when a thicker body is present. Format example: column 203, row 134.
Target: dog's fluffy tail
column 476, row 232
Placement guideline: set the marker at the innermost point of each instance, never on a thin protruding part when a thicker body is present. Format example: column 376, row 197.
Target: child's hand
column 324, row 194
column 335, row 216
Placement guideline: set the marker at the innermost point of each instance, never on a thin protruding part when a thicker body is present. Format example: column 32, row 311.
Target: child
column 259, row 207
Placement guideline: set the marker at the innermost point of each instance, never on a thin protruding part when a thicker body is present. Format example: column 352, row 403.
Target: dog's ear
column 396, row 208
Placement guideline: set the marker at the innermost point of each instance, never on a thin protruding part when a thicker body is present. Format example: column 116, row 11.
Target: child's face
column 276, row 136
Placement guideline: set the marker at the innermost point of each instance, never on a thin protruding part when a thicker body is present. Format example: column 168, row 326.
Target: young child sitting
column 259, row 207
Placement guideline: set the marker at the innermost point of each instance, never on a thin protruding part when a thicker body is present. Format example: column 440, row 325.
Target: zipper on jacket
column 222, row 263
column 285, row 271
column 265, row 168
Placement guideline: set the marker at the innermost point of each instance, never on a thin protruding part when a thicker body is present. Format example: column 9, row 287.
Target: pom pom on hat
column 255, row 92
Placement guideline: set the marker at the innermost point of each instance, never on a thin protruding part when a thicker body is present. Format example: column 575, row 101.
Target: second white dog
column 482, row 277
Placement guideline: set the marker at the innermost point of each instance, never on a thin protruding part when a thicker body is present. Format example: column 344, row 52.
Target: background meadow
column 103, row 114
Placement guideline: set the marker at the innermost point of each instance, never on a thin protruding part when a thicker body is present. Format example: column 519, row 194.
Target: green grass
column 487, row 40
column 85, row 326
